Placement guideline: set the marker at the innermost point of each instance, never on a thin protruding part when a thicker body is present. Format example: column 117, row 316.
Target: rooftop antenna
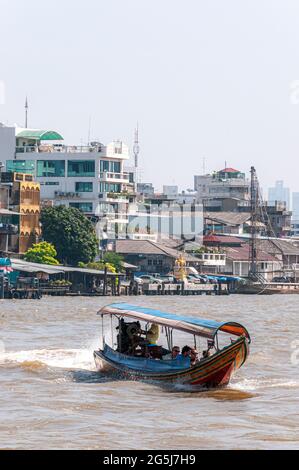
column 26, row 112
column 136, row 151
column 204, row 165
column 89, row 130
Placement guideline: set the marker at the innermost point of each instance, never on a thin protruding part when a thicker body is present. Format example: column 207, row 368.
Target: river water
column 52, row 398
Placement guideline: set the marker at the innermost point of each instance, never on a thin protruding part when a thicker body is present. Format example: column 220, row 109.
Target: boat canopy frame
column 197, row 326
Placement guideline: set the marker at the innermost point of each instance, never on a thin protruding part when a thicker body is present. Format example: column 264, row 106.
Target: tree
column 99, row 265
column 72, row 233
column 43, row 253
column 115, row 259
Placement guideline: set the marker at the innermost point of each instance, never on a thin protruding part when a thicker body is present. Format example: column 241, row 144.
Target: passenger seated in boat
column 194, row 357
column 186, row 351
column 184, row 358
column 175, row 354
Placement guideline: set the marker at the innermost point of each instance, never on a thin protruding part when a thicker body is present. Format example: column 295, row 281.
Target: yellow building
column 24, row 200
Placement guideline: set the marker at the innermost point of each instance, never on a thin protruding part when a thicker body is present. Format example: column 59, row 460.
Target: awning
column 38, row 134
column 37, row 267
column 193, row 325
column 8, row 212
column 33, row 269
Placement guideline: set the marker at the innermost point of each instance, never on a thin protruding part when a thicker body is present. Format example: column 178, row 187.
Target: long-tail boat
column 145, row 361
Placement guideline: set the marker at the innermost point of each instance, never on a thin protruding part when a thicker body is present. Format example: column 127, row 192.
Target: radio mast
column 26, row 113
column 136, row 151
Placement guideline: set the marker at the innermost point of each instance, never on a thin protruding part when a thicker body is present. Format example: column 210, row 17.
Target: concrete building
column 295, row 206
column 280, row 218
column 151, row 257
column 145, row 189
column 237, row 262
column 171, row 191
column 279, row 194
column 226, row 222
column 91, row 178
column 224, row 190
column 19, row 212
column 295, row 229
column 187, row 197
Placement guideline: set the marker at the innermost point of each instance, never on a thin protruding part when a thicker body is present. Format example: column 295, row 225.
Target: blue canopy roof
column 203, row 327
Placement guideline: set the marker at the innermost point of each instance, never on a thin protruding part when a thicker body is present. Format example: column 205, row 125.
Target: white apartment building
column 91, row 178
column 223, row 190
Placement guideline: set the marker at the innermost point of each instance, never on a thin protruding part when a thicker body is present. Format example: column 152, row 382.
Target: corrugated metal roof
column 147, row 247
column 222, row 239
column 228, row 218
column 22, row 265
column 241, row 253
column 33, row 269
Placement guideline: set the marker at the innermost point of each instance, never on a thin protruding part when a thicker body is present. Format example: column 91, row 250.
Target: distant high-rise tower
column 295, row 206
column 279, row 194
column 136, row 151
column 26, row 113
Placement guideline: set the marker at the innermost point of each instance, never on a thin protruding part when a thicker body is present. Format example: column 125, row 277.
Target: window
column 81, row 168
column 110, row 188
column 111, row 167
column 51, row 168
column 149, row 262
column 82, row 206
column 83, row 187
column 20, row 166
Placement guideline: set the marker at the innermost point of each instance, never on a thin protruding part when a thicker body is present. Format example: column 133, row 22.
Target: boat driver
column 153, row 334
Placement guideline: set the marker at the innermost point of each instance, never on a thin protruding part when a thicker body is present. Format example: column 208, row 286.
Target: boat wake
column 248, row 385
column 53, row 358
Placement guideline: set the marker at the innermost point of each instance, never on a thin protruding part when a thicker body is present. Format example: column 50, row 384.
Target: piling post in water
column 2, row 286
column 105, row 281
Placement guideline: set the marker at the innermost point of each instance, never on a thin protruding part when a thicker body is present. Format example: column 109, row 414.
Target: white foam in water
column 256, row 384
column 60, row 358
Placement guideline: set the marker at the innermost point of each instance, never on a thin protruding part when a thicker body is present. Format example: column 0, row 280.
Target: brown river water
column 51, row 397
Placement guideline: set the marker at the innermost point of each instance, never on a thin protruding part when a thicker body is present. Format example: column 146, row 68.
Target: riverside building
column 91, row 177
column 224, row 190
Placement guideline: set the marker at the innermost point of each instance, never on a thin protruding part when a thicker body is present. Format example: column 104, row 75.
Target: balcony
column 108, row 177
column 114, row 197
column 212, row 259
column 59, row 148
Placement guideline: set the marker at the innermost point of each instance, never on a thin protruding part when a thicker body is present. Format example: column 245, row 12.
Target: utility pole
column 254, row 198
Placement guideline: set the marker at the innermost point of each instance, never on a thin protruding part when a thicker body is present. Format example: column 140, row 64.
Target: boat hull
column 214, row 371
column 268, row 289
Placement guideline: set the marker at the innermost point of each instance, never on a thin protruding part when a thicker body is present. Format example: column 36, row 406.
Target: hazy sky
column 204, row 78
